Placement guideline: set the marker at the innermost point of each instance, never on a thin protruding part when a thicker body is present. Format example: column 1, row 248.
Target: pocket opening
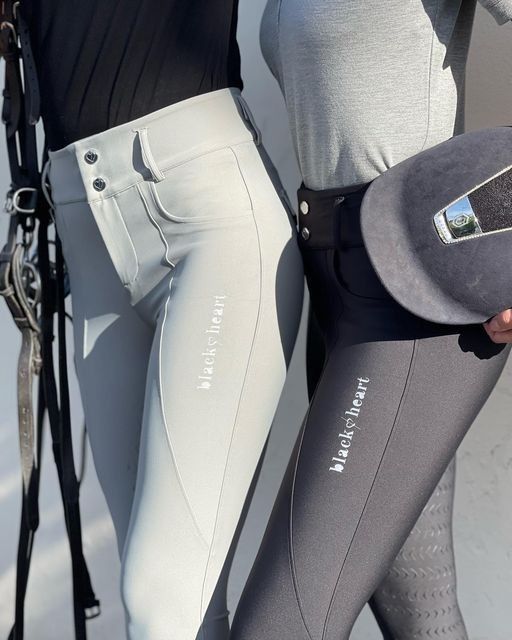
column 207, row 189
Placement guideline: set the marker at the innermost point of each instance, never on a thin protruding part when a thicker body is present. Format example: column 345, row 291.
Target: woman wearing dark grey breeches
column 368, row 84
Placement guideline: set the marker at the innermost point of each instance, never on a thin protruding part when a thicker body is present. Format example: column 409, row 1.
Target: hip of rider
column 186, row 285
column 367, row 85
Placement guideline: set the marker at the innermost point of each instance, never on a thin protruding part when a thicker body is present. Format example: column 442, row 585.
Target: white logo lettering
column 339, row 461
column 210, row 352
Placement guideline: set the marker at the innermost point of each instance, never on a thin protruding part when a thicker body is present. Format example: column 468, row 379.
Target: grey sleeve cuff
column 500, row 9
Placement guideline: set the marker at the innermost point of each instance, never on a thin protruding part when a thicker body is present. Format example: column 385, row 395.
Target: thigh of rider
column 207, row 252
column 217, row 369
column 418, row 595
column 112, row 347
column 395, row 398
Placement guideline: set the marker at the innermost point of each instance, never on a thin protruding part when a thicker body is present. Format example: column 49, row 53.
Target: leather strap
column 35, row 318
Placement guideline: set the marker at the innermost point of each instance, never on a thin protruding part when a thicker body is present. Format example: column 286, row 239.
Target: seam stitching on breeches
column 242, row 177
column 157, row 226
column 235, row 422
column 397, row 416
column 289, row 537
column 132, row 246
column 162, row 409
column 291, row 558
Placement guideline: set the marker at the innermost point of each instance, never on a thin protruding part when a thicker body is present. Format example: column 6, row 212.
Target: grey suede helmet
column 438, row 228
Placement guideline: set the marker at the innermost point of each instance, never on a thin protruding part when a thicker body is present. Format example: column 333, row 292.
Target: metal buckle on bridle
column 31, row 278
column 93, row 612
column 13, row 201
column 23, row 214
column 8, row 41
column 6, row 24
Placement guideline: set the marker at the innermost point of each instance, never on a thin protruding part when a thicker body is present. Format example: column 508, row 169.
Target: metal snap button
column 304, row 207
column 305, row 233
column 99, row 184
column 90, row 156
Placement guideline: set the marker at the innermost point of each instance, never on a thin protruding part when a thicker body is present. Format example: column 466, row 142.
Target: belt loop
column 147, row 156
column 246, row 112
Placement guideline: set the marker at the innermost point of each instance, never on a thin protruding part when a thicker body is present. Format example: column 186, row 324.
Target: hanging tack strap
column 35, row 288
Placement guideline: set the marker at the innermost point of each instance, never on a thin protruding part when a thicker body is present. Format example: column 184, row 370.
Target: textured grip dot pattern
column 418, row 598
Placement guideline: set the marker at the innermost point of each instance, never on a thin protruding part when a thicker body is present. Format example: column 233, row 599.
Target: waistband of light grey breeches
column 96, row 167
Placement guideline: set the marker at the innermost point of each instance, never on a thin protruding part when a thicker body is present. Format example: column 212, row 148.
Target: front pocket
column 207, row 188
column 118, row 242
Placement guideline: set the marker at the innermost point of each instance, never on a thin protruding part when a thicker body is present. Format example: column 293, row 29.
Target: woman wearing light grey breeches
column 176, row 267
column 186, row 285
column 366, row 85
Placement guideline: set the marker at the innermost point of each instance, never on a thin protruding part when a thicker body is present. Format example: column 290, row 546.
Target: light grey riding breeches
column 186, row 292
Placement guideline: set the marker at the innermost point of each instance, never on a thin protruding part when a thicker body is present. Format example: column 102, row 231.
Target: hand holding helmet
column 499, row 328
